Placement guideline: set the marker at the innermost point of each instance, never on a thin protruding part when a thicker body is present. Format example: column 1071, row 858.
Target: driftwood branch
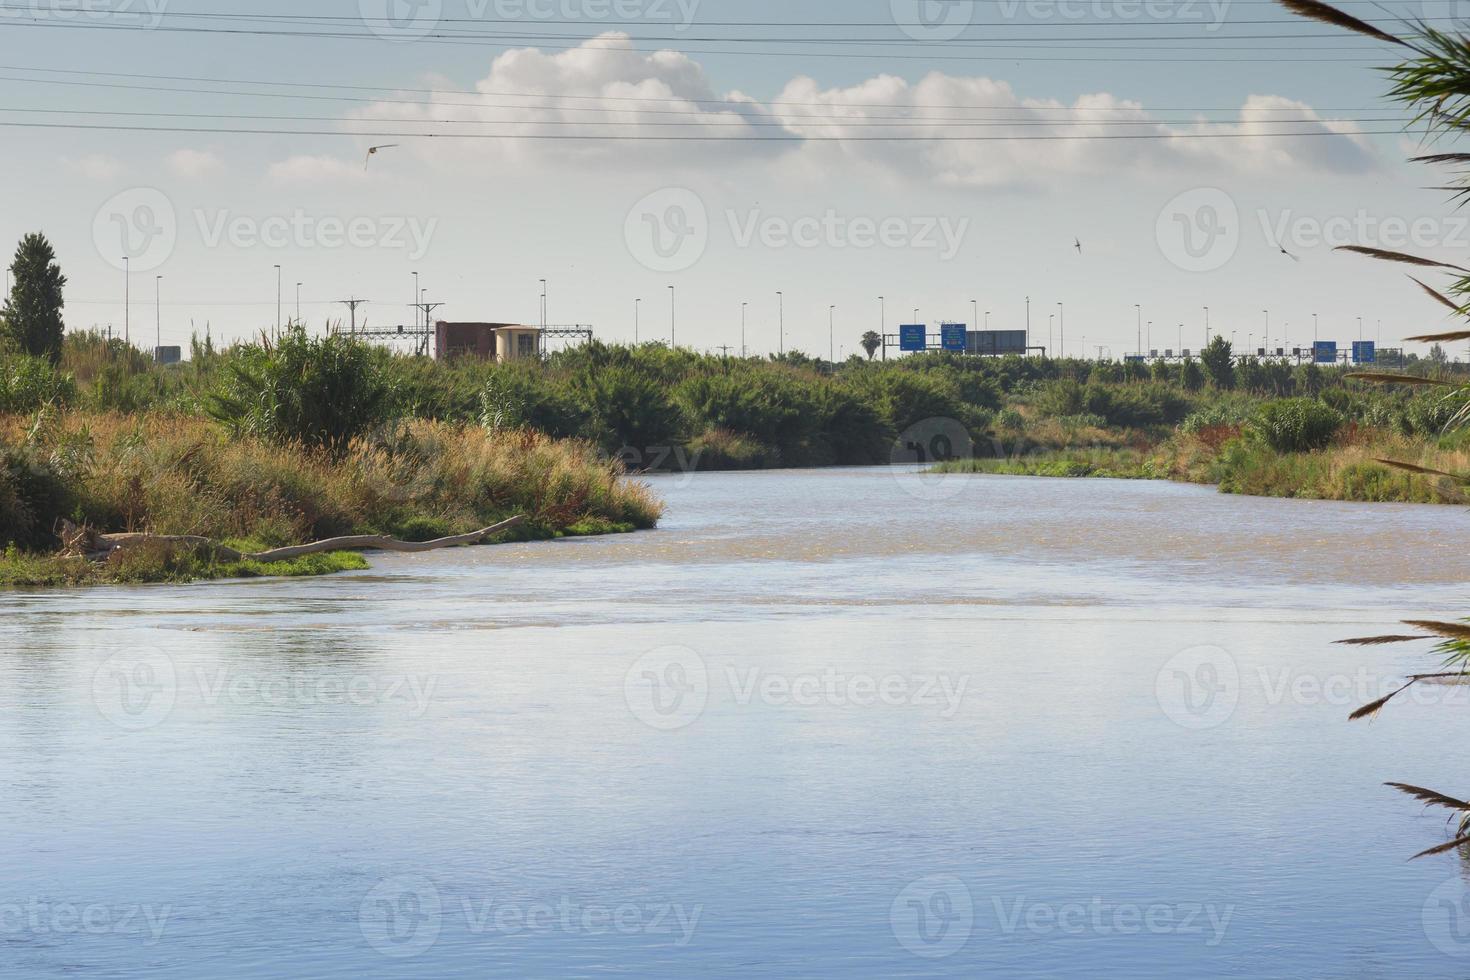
column 88, row 543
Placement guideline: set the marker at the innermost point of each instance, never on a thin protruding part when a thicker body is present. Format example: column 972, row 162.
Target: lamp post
column 1360, row 328
column 1051, row 322
column 831, row 336
column 975, row 306
column 883, row 325
column 415, row 303
column 987, row 319
column 780, row 323
column 1138, row 308
column 1148, row 337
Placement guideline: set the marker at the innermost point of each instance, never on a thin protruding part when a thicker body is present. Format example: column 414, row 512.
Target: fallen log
column 99, row 547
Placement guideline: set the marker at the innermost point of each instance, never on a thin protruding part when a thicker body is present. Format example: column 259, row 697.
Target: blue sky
column 931, row 223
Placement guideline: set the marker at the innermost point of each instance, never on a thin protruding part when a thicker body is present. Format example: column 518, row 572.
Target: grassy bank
column 1237, row 462
column 177, row 474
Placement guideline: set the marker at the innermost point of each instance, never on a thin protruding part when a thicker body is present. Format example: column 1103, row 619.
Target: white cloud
column 96, row 166
column 315, row 169
column 195, row 164
column 600, row 87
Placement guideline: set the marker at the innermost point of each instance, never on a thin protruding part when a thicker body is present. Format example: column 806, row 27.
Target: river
column 855, row 723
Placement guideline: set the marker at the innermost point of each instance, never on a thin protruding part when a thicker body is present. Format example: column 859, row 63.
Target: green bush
column 1297, row 425
column 321, row 393
column 27, row 383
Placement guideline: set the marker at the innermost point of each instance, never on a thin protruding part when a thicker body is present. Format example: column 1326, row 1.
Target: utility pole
column 353, row 304
column 428, row 309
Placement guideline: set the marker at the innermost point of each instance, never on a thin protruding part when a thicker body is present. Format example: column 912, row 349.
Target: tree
column 1218, row 362
column 32, row 312
column 871, row 342
column 1190, row 376
column 1437, row 355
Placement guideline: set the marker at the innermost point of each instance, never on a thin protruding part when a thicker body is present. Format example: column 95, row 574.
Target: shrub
column 27, row 383
column 1297, row 425
column 321, row 393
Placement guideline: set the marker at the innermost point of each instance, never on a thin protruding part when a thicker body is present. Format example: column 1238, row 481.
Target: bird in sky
column 372, row 152
column 1077, row 243
column 1284, row 252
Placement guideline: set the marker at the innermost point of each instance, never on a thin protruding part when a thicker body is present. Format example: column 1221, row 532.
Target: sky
column 829, row 151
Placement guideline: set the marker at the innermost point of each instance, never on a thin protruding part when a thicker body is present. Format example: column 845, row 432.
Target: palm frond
column 1316, row 10
column 1382, row 377
column 1442, row 158
column 1368, row 710
column 1457, row 631
column 1390, row 256
column 1374, row 641
column 1458, row 842
column 1422, row 470
column 1441, row 297
column 1430, row 797
column 1442, row 338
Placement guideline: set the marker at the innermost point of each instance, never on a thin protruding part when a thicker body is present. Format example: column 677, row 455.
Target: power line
column 786, row 122
column 731, row 104
column 388, row 134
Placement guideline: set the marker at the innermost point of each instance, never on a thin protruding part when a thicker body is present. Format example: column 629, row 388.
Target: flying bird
column 1078, row 245
column 1283, row 251
column 372, row 152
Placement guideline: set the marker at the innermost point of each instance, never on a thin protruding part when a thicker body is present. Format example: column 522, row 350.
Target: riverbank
column 175, row 474
column 1236, row 463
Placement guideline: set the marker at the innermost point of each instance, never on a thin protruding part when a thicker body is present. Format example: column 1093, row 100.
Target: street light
column 975, row 305
column 883, row 324
column 780, row 323
column 831, row 336
column 415, row 303
column 987, row 319
column 1138, row 308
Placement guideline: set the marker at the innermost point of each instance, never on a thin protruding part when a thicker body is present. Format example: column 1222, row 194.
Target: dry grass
column 182, row 475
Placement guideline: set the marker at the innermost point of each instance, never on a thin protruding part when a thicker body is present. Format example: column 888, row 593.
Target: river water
column 855, row 723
